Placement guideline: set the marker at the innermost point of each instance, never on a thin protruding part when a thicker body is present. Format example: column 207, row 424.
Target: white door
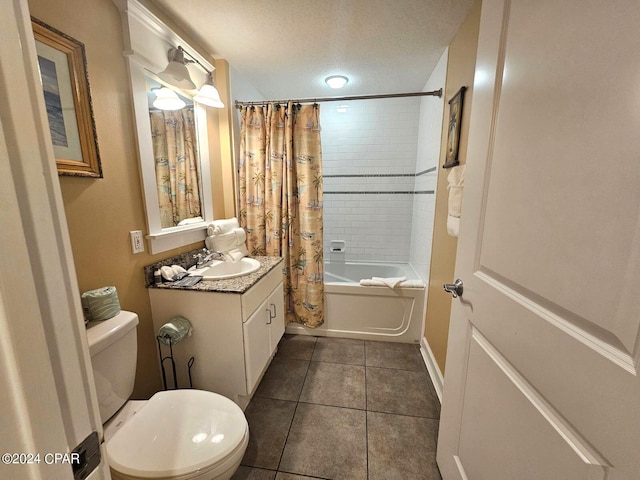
column 542, row 368
column 47, row 395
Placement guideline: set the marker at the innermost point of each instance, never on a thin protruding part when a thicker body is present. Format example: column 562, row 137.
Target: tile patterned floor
column 333, row 408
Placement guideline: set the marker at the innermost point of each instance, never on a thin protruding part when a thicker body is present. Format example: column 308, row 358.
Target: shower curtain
column 280, row 182
column 175, row 151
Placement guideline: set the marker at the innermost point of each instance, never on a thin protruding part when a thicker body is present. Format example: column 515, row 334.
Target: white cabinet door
column 256, row 345
column 275, row 304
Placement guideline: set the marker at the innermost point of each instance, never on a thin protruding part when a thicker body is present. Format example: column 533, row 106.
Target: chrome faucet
column 206, row 257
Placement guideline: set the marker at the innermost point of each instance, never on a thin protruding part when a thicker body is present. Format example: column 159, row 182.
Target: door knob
column 454, row 289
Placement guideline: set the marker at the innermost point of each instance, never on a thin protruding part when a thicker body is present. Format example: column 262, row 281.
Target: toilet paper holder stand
column 161, row 339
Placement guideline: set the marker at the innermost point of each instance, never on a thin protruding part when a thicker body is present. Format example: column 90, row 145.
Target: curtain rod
column 434, row 93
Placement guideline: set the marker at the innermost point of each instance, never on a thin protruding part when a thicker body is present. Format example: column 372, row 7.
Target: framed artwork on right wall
column 453, row 137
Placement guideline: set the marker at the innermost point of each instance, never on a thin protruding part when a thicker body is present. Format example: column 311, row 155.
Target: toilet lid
column 177, row 432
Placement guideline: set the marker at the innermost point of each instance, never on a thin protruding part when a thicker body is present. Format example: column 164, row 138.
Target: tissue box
column 100, row 304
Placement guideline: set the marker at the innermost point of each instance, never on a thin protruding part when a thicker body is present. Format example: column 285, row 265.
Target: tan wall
column 460, row 71
column 101, row 212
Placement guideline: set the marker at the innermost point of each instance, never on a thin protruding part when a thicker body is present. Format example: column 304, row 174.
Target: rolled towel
column 222, row 226
column 236, row 254
column 100, row 304
column 241, row 236
column 175, row 330
column 224, row 242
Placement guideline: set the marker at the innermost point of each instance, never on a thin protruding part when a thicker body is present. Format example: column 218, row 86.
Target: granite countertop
column 229, row 285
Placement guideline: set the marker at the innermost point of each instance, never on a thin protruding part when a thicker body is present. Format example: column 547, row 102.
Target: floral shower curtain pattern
column 280, row 178
column 175, row 152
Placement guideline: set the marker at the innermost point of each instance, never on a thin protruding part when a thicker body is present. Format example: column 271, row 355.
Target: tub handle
column 455, row 289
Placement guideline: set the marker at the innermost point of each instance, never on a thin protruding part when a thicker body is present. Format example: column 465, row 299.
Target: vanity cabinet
column 234, row 335
column 262, row 331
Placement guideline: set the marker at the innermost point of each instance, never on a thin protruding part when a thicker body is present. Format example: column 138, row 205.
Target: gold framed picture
column 63, row 71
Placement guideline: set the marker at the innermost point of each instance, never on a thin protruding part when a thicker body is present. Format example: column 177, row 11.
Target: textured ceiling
column 286, row 48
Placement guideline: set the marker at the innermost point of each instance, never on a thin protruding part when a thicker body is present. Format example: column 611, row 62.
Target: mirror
column 170, row 224
column 175, row 155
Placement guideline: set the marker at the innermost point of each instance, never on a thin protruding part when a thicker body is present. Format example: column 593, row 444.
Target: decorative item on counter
column 175, row 330
column 100, row 304
column 188, row 281
column 174, row 272
column 157, row 277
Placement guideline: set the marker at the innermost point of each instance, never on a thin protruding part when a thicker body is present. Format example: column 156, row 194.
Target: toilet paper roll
column 100, row 304
column 175, row 330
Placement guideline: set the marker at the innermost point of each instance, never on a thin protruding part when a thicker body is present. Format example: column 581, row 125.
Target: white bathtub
column 369, row 313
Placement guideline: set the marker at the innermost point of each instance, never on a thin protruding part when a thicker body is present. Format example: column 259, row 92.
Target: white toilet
column 176, row 434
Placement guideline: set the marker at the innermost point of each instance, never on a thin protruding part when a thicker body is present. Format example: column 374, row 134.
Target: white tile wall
column 379, row 146
column 373, row 137
column 430, row 128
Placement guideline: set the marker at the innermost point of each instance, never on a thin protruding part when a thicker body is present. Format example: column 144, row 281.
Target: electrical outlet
column 137, row 243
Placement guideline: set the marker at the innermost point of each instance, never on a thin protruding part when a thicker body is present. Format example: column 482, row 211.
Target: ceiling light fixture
column 336, row 81
column 177, row 75
column 167, row 99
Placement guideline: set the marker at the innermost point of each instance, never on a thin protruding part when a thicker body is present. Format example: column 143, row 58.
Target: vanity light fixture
column 208, row 94
column 177, row 75
column 167, row 99
column 336, row 81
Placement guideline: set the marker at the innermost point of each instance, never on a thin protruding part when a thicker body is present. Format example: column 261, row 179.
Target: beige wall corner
column 101, row 212
column 221, row 137
column 460, row 72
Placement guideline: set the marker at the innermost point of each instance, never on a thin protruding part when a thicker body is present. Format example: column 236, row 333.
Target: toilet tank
column 113, row 348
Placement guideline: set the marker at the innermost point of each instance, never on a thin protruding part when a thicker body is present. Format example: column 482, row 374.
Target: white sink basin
column 220, row 270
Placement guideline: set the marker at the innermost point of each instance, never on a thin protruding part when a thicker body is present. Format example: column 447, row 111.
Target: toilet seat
column 180, row 434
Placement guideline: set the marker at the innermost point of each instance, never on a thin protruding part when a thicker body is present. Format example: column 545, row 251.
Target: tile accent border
column 399, row 192
column 381, row 175
column 372, row 175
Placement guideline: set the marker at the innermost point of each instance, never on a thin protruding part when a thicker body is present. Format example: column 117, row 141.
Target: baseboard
column 432, row 367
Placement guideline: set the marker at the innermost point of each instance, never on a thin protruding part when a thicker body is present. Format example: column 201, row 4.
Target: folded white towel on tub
column 391, row 282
